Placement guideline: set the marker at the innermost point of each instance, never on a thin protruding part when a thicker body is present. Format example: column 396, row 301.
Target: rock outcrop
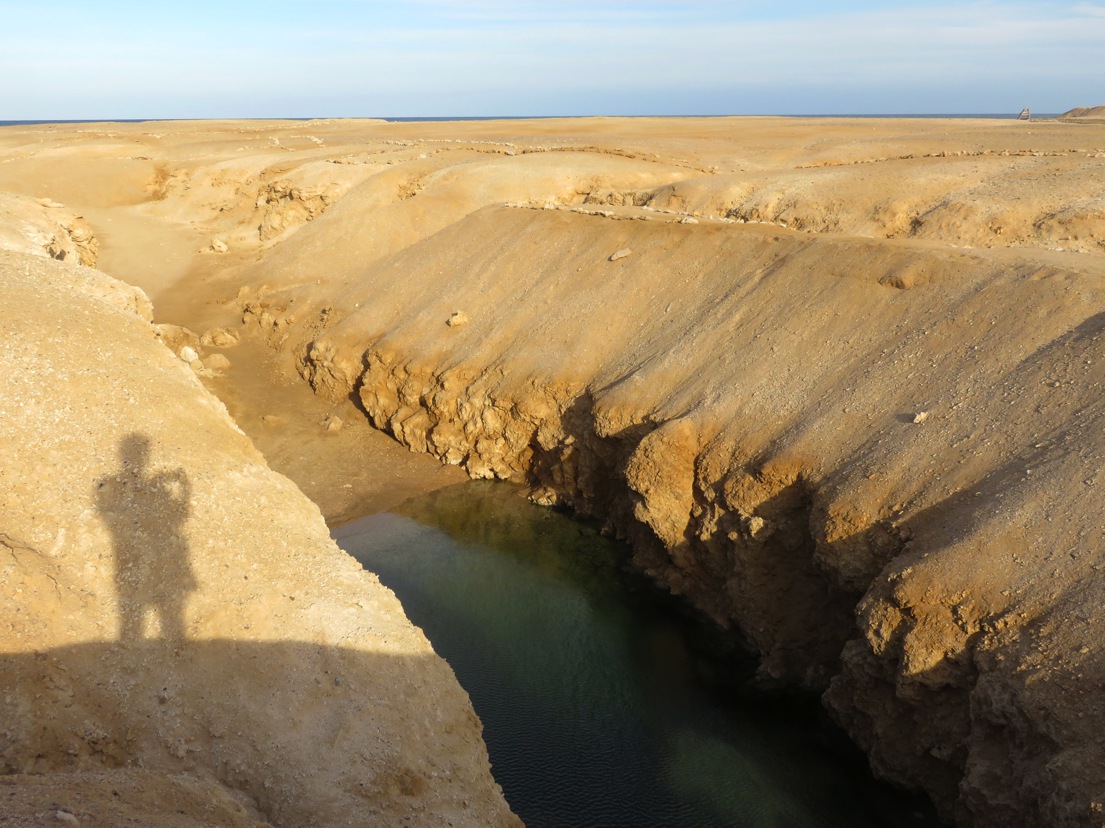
column 179, row 627
column 752, row 427
column 844, row 394
column 45, row 228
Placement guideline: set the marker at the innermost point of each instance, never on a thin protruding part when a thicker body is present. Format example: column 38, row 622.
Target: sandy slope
column 841, row 387
column 183, row 643
column 1088, row 113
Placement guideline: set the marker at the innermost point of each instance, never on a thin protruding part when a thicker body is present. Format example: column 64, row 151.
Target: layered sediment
column 837, row 382
column 877, row 461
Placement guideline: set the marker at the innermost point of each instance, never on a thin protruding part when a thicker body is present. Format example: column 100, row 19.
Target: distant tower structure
column 1025, row 115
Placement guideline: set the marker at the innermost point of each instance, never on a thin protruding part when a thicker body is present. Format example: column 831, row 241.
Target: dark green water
column 599, row 706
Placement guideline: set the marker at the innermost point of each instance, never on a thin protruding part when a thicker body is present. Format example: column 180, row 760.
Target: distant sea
column 420, row 119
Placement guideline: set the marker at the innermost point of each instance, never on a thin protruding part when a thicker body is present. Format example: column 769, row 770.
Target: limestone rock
column 173, row 605
column 760, row 529
column 943, row 582
column 124, row 796
column 286, row 205
column 911, row 574
column 177, row 337
column 45, row 227
column 216, row 363
column 661, row 472
column 220, row 338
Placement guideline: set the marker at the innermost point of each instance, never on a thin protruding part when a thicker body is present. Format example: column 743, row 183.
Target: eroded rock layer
column 878, row 460
column 837, row 380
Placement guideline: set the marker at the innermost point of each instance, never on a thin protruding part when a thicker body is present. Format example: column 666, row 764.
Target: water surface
column 599, row 709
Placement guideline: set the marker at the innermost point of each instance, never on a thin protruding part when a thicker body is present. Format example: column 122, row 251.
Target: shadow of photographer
column 145, row 510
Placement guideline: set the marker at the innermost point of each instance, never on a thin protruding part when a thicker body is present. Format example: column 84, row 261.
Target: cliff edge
column 837, row 380
column 878, row 460
column 182, row 641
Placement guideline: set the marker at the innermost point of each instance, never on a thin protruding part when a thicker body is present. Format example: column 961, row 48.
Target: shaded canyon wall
column 876, row 459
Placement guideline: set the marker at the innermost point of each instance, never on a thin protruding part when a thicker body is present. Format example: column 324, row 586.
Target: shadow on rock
column 311, row 734
column 145, row 510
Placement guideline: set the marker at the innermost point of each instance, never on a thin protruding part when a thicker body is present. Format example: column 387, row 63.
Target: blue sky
column 246, row 58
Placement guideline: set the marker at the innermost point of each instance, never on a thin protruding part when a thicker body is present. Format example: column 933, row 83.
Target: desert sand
column 837, row 381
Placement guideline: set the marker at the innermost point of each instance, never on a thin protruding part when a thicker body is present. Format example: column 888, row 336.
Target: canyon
column 837, row 381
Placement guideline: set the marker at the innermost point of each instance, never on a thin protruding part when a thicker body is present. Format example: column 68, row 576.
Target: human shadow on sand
column 302, row 733
column 146, row 509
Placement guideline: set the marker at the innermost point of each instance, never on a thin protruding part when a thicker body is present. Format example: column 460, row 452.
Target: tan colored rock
column 177, row 338
column 941, row 581
column 760, row 529
column 286, row 206
column 45, row 227
column 124, row 796
column 661, row 473
column 175, row 606
column 220, row 338
column 814, row 409
column 217, row 363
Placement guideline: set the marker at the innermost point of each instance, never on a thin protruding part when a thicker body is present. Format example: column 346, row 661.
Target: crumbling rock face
column 459, row 418
column 740, row 548
column 869, row 520
column 765, row 551
column 286, row 206
column 46, row 228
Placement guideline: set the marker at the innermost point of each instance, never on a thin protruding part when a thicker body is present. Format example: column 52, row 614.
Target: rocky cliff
column 183, row 643
column 837, row 380
column 877, row 460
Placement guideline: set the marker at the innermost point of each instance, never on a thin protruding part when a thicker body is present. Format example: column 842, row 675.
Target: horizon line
column 422, row 118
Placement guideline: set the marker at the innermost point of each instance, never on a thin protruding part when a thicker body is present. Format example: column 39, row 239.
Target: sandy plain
column 837, row 380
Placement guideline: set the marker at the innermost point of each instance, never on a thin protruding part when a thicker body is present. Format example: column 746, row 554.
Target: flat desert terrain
column 837, row 381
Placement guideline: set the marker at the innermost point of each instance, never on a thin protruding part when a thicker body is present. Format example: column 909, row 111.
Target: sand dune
column 1085, row 113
